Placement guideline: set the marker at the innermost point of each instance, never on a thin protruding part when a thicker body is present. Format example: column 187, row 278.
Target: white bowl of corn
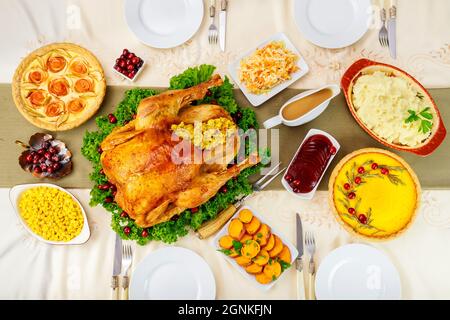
column 50, row 213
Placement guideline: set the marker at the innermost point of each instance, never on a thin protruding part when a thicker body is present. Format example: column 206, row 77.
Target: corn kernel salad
column 267, row 67
column 51, row 213
column 206, row 135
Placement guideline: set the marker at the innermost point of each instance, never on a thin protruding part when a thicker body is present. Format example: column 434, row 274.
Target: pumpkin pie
column 374, row 194
column 59, row 86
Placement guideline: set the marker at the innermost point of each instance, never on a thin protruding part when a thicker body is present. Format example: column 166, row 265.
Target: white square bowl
column 310, row 195
column 258, row 99
column 14, row 195
column 251, row 278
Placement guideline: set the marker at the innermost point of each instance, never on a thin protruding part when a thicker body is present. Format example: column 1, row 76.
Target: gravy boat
column 310, row 115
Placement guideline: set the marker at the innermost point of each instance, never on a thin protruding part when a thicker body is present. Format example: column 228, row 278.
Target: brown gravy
column 296, row 109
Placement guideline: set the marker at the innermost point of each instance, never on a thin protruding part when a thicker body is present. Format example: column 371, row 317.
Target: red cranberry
column 208, row 93
column 103, row 186
column 127, row 230
column 296, row 183
column 194, row 210
column 37, row 169
column 135, row 60
column 351, row 211
column 55, row 158
column 50, row 169
column 361, row 170
column 47, row 155
column 288, row 178
column 124, row 214
column 140, row 63
column 333, row 150
column 56, row 166
column 125, row 52
column 384, row 171
column 358, row 180
column 144, row 233
column 35, row 160
column 109, row 199
column 224, row 189
column 296, row 190
column 131, row 74
column 362, row 218
column 41, row 151
column 112, row 118
column 374, row 166
column 130, row 67
column 118, row 68
column 43, row 167
column 351, row 195
column 102, row 171
column 122, row 64
column 123, row 56
column 42, row 159
column 53, row 150
column 131, row 55
column 134, row 116
column 112, row 187
column 29, row 158
column 347, row 186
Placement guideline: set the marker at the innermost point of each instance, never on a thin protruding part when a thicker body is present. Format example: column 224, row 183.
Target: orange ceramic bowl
column 365, row 66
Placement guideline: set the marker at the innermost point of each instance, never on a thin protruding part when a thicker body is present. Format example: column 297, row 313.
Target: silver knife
column 299, row 260
column 117, row 267
column 391, row 26
column 222, row 24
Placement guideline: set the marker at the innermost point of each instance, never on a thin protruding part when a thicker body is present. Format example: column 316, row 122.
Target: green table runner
column 433, row 171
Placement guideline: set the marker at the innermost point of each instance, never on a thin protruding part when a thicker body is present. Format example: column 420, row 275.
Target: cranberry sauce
column 310, row 162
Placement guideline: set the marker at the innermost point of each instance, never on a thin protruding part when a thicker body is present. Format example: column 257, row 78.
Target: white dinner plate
column 173, row 273
column 332, row 23
column 163, row 23
column 258, row 99
column 357, row 272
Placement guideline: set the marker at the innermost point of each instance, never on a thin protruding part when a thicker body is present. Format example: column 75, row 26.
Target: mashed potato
column 382, row 103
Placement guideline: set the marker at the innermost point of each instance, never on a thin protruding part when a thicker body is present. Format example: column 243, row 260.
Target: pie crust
column 59, row 86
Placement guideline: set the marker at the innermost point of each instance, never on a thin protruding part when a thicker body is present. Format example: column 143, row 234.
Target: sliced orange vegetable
column 245, row 216
column 254, row 268
column 226, row 242
column 236, row 229
column 262, row 278
column 243, row 261
column 246, row 237
column 250, row 249
column 253, row 226
column 270, row 243
column 285, row 254
column 262, row 258
column 277, row 248
column 272, row 269
column 263, row 234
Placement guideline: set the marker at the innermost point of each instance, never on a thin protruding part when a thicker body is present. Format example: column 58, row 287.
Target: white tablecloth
column 30, row 269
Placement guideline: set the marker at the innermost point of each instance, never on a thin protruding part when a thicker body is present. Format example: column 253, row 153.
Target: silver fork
column 310, row 243
column 383, row 35
column 213, row 33
column 127, row 258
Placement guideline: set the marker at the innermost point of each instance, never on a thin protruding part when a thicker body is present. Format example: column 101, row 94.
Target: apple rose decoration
column 56, row 63
column 78, row 67
column 54, row 108
column 37, row 98
column 37, row 76
column 76, row 105
column 59, row 87
column 84, row 85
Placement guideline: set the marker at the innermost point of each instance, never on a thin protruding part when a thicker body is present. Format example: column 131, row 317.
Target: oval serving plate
column 14, row 195
column 364, row 66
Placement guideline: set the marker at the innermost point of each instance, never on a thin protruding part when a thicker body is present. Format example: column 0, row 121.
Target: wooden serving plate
column 364, row 66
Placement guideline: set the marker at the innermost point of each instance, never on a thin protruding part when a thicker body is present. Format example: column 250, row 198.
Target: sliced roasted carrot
column 243, row 261
column 246, row 237
column 250, row 249
column 253, row 226
column 245, row 216
column 226, row 242
column 254, row 268
column 262, row 278
column 272, row 269
column 270, row 243
column 236, row 229
column 262, row 258
column 263, row 234
column 277, row 248
column 285, row 254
